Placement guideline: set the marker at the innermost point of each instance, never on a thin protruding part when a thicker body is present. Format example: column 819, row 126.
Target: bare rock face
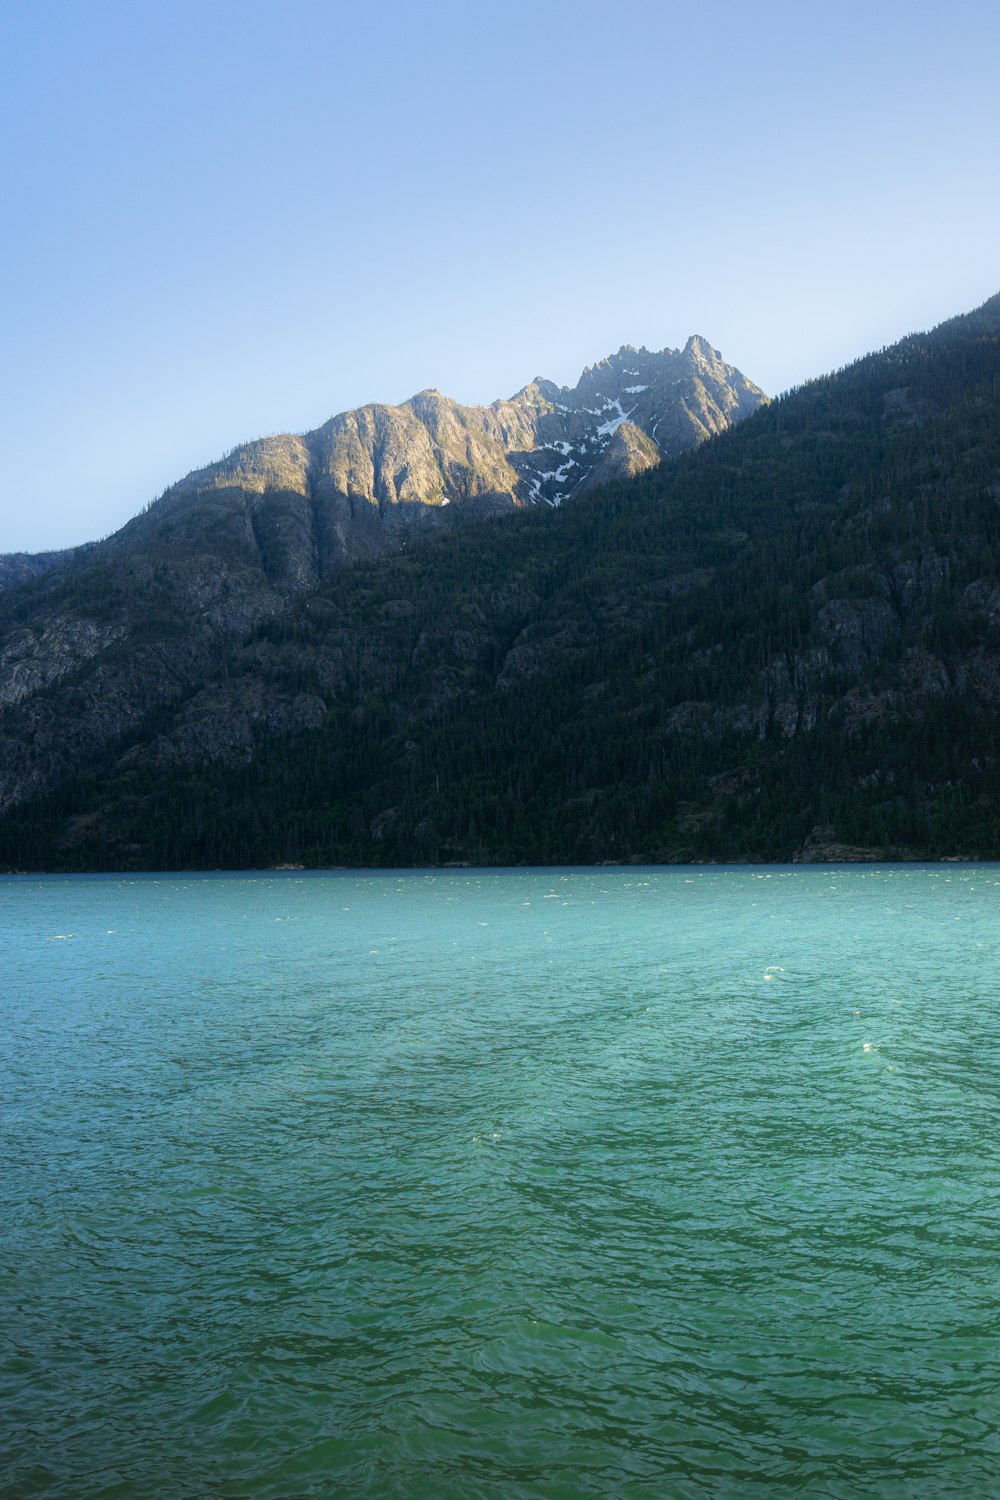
column 31, row 658
column 855, row 630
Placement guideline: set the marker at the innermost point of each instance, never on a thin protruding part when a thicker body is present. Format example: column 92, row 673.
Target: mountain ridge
column 126, row 624
column 783, row 645
column 433, row 451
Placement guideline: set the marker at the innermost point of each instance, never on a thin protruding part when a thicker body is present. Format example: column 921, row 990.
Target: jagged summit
column 301, row 505
column 656, row 403
column 360, row 483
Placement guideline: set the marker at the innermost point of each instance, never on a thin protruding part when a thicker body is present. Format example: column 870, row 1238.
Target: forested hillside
column 783, row 644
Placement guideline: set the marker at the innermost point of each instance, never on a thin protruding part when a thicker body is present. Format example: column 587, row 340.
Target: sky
column 233, row 217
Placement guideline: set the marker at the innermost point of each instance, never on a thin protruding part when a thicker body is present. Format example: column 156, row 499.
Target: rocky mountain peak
column 669, row 398
column 302, row 505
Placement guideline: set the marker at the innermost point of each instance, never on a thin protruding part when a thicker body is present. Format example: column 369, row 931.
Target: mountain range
column 780, row 643
column 366, row 480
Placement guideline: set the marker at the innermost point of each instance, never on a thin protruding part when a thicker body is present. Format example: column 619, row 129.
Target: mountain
column 624, row 415
column 94, row 641
column 783, row 644
column 371, row 479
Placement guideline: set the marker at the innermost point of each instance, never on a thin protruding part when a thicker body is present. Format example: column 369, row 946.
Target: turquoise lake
column 534, row 1183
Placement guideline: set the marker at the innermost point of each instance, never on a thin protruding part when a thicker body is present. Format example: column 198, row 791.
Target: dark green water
column 540, row 1184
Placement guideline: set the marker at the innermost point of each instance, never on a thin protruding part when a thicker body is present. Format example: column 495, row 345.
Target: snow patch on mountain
column 607, row 428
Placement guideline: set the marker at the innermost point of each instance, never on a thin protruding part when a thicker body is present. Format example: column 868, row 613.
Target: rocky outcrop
column 823, row 847
column 854, row 630
column 31, row 657
column 220, row 722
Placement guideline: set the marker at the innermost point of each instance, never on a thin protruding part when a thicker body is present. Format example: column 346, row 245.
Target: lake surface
column 547, row 1184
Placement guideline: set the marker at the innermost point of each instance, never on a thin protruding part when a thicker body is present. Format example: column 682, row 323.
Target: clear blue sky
column 233, row 217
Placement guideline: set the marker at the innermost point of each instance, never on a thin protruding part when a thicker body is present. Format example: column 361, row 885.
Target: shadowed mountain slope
column 17, row 567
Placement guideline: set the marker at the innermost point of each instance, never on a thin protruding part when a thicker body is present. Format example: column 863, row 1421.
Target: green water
column 542, row 1184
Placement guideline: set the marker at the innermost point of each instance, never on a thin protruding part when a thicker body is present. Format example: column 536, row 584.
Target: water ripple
column 538, row 1184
